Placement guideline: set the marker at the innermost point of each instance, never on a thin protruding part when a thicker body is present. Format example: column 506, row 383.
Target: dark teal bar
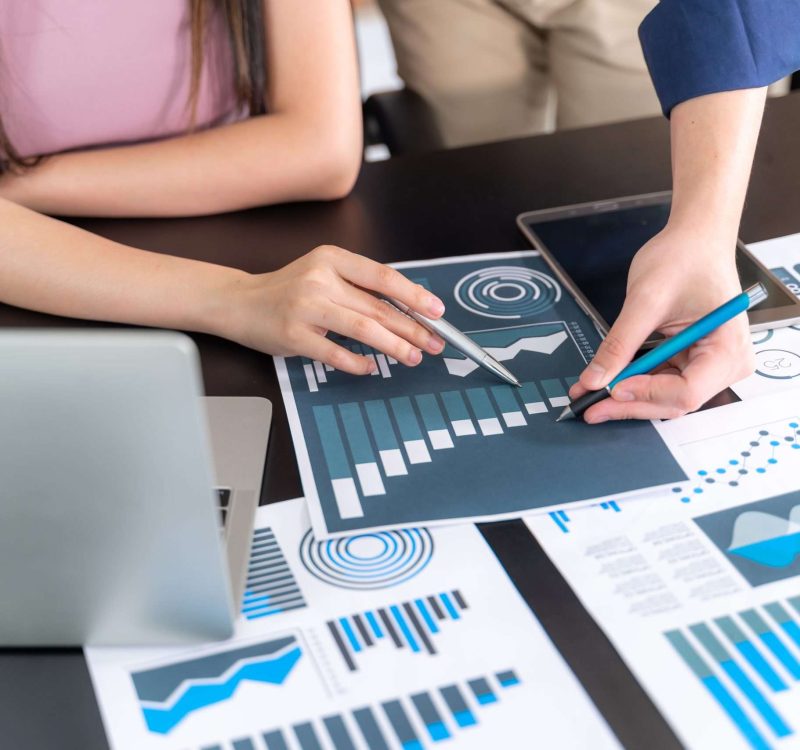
column 431, row 413
column 553, row 388
column 356, row 433
column 306, row 736
column 406, row 419
column 338, row 733
column 381, row 425
column 369, row 729
column 331, row 440
column 505, row 398
column 455, row 406
column 275, row 740
column 243, row 744
column 479, row 400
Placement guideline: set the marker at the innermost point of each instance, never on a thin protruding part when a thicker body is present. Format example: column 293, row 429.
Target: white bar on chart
column 320, row 371
column 559, row 401
column 347, row 501
column 463, row 427
column 537, row 407
column 310, row 379
column 371, row 357
column 514, row 419
column 490, row 426
column 417, row 451
column 440, row 439
column 369, row 477
column 391, row 360
column 393, row 464
column 328, row 368
column 383, row 366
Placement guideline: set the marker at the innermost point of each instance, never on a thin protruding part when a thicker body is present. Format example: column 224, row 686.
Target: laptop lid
column 109, row 531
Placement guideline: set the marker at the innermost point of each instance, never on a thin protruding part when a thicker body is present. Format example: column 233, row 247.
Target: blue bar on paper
column 426, row 616
column 505, row 398
column 331, row 440
column 430, row 716
column 720, row 654
column 369, row 728
column 703, row 672
column 212, row 747
column 356, row 433
column 449, row 606
column 759, row 626
column 479, row 400
column 243, row 744
column 398, row 616
column 454, row 406
column 406, row 419
column 483, row 693
column 275, row 740
column 784, row 619
column 402, row 726
column 381, row 425
column 306, row 736
column 553, row 389
column 508, row 678
column 431, row 413
column 374, row 624
column 458, row 706
column 338, row 733
column 558, row 522
column 350, row 634
column 745, row 647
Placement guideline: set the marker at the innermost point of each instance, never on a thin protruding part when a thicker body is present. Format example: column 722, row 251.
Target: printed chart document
column 778, row 351
column 400, row 639
column 447, row 441
column 699, row 589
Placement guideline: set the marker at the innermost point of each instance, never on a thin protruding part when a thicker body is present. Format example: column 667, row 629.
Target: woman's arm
column 307, row 147
column 53, row 267
column 688, row 269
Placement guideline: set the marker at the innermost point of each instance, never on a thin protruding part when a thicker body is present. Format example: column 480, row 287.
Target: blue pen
column 669, row 348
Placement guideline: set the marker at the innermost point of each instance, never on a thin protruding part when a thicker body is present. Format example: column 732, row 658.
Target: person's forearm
column 269, row 159
column 52, row 267
column 713, row 143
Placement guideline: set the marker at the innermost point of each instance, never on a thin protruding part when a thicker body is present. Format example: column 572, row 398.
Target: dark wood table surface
column 446, row 203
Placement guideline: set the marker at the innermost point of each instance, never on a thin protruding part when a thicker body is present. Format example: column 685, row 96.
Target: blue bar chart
column 413, row 722
column 744, row 659
column 271, row 587
column 412, row 625
column 366, row 445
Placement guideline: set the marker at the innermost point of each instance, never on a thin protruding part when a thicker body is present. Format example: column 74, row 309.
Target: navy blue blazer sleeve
column 696, row 47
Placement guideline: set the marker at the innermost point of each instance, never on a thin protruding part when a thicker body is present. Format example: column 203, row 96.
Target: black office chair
column 403, row 121
column 796, row 81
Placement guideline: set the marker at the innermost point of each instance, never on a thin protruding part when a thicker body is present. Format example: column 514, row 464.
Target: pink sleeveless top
column 82, row 73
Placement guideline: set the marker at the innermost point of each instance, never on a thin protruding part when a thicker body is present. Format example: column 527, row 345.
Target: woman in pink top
column 132, row 106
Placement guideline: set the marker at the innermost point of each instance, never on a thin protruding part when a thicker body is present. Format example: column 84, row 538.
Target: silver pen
column 460, row 341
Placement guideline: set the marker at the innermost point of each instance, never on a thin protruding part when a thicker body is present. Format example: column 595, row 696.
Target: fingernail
column 622, row 395
column 436, row 306
column 435, row 345
column 415, row 356
column 596, row 373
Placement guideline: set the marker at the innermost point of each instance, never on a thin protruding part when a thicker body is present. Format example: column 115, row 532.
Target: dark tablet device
column 590, row 246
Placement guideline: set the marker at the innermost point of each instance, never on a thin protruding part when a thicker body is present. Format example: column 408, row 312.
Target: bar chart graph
column 271, row 587
column 385, row 450
column 411, row 722
column 744, row 660
column 413, row 625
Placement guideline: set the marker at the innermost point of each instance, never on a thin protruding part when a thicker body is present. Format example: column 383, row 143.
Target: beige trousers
column 494, row 69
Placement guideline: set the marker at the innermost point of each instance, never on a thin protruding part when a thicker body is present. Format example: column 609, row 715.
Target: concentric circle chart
column 777, row 364
column 368, row 561
column 507, row 292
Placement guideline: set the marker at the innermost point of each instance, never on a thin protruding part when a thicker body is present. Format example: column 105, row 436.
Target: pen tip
column 566, row 414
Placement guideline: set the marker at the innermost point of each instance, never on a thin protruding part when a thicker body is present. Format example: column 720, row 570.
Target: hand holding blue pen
column 669, row 348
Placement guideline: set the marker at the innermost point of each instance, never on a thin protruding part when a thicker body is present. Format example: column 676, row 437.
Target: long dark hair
column 245, row 24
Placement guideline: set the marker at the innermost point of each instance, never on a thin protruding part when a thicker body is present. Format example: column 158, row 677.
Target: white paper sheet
column 290, row 674
column 699, row 589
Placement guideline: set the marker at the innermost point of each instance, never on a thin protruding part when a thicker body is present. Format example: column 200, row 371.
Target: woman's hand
column 290, row 311
column 675, row 279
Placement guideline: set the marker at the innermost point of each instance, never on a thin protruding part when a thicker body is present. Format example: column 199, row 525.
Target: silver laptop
column 127, row 499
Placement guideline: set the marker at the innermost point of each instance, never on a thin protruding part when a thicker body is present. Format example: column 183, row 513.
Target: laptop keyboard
column 223, row 501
